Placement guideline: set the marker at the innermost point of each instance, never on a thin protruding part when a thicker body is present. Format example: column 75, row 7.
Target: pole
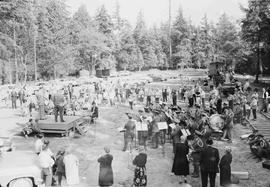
column 170, row 31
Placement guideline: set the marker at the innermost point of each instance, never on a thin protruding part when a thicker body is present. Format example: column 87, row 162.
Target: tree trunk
column 25, row 68
column 259, row 64
column 54, row 72
column 10, row 72
column 35, row 56
column 15, row 59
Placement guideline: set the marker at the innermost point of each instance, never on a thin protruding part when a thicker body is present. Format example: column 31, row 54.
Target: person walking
column 209, row 164
column 71, row 163
column 105, row 169
column 140, row 177
column 225, row 168
column 180, row 162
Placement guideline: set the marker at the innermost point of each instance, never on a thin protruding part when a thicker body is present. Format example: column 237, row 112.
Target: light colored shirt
column 38, row 145
column 45, row 160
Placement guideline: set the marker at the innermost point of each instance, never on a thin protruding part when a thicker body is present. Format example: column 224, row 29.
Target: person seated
column 31, row 128
column 94, row 112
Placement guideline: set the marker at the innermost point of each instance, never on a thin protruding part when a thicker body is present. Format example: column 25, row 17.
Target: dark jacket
column 94, row 111
column 105, row 171
column 225, row 169
column 209, row 159
column 140, row 160
column 180, row 162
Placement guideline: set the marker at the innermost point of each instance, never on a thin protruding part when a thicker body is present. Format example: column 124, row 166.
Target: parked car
column 6, row 144
column 19, row 169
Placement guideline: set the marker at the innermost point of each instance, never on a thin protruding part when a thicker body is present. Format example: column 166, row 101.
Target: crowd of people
column 186, row 110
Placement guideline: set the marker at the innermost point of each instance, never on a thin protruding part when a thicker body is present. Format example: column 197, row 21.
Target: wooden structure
column 72, row 123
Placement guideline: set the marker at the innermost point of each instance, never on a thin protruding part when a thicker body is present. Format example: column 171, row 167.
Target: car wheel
column 21, row 182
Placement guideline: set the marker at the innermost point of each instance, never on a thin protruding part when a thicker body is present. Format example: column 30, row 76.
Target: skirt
column 140, row 177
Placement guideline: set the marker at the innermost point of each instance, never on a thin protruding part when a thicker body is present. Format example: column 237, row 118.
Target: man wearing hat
column 94, row 111
column 142, row 135
column 59, row 103
column 155, row 129
column 209, row 163
column 129, row 132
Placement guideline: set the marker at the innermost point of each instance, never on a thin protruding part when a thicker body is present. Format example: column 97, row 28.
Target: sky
column 157, row 11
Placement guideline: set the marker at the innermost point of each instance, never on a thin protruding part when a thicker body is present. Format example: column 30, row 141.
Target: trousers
column 204, row 177
column 60, row 110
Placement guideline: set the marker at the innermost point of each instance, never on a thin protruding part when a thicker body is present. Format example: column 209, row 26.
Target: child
column 60, row 166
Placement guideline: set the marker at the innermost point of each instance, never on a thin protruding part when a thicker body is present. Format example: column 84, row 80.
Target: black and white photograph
column 135, row 93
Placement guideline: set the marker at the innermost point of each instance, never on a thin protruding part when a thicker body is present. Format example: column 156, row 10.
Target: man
column 14, row 98
column 195, row 154
column 142, row 134
column 59, row 102
column 155, row 129
column 129, row 133
column 41, row 103
column 176, row 134
column 228, row 124
column 21, row 96
column 31, row 127
column 164, row 95
column 94, row 112
column 46, row 162
column 209, row 164
column 39, row 143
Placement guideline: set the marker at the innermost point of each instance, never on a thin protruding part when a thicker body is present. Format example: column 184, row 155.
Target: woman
column 71, row 168
column 180, row 162
column 225, row 168
column 140, row 178
column 105, row 171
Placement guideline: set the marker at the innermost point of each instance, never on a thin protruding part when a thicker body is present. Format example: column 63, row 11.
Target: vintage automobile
column 6, row 144
column 19, row 169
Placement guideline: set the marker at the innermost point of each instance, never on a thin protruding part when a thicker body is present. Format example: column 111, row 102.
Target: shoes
column 63, row 121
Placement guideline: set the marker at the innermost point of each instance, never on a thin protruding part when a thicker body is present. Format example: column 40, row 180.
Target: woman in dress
column 140, row 178
column 105, row 171
column 225, row 168
column 180, row 162
column 71, row 168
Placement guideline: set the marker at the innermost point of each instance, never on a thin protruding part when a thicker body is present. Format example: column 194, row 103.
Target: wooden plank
column 243, row 175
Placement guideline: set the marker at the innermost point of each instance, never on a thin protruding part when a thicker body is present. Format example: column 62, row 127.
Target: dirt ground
column 88, row 148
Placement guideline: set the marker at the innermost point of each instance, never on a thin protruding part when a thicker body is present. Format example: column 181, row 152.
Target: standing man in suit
column 14, row 97
column 94, row 111
column 129, row 133
column 59, row 102
column 209, row 164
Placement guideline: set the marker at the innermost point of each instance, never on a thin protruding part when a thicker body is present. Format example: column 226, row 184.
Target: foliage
column 63, row 43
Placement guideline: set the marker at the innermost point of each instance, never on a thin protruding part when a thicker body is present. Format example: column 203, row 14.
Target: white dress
column 72, row 169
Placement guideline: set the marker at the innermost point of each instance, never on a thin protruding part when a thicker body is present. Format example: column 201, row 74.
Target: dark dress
column 105, row 171
column 180, row 162
column 140, row 178
column 225, row 169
